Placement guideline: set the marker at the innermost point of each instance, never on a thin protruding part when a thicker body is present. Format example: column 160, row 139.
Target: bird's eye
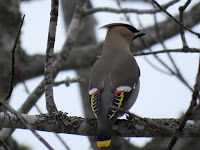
column 130, row 28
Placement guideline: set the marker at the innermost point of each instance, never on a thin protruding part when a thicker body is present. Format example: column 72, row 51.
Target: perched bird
column 114, row 79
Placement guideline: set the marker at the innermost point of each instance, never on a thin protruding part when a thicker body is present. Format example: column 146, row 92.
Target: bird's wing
column 96, row 85
column 121, row 96
column 94, row 94
column 123, row 81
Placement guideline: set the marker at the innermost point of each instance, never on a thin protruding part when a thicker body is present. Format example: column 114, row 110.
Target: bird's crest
column 113, row 24
column 131, row 28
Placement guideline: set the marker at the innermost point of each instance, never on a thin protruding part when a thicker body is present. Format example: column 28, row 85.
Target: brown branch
column 189, row 111
column 165, row 11
column 39, row 110
column 149, row 122
column 2, row 143
column 155, row 67
column 155, row 56
column 23, row 120
column 122, row 127
column 120, row 7
column 128, row 10
column 67, row 81
column 188, row 50
column 160, row 40
column 13, row 62
column 181, row 10
column 177, row 72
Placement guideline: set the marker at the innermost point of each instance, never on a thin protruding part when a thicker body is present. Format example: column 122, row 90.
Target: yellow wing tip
column 103, row 143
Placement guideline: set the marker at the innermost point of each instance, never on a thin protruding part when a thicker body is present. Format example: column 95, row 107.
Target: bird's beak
column 138, row 34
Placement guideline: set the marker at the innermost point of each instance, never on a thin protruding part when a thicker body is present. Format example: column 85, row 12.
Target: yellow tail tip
column 103, row 143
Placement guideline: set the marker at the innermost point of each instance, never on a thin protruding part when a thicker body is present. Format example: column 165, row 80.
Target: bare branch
column 147, row 121
column 164, row 10
column 189, row 111
column 177, row 74
column 13, row 62
column 181, row 10
column 2, row 143
column 155, row 67
column 25, row 123
column 67, row 81
column 48, row 72
column 128, row 10
column 160, row 40
column 155, row 56
column 39, row 110
column 188, row 50
column 81, row 126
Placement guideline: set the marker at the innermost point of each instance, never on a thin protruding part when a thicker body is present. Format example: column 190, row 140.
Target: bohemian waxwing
column 114, row 79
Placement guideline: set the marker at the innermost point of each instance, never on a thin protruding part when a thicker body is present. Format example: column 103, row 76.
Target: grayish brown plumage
column 114, row 79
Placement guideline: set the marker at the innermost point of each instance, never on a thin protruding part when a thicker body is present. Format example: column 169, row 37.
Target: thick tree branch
column 82, row 126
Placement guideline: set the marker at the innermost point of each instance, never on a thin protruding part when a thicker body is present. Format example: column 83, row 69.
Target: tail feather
column 104, row 132
column 105, row 143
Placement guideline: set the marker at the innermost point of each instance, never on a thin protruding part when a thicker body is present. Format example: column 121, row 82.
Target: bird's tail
column 103, row 139
column 105, row 143
column 104, row 132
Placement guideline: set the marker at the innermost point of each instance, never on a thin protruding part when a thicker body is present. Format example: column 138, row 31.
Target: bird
column 114, row 79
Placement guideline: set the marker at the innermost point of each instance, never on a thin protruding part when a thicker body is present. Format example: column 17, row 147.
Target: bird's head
column 127, row 31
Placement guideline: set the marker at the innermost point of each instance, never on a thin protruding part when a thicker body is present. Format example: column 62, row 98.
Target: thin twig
column 165, row 65
column 39, row 110
column 62, row 141
column 166, row 12
column 189, row 50
column 177, row 73
column 160, row 40
column 189, row 111
column 23, row 120
column 181, row 10
column 48, row 72
column 13, row 62
column 2, row 143
column 119, row 5
column 128, row 10
column 67, row 81
column 155, row 67
column 155, row 56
